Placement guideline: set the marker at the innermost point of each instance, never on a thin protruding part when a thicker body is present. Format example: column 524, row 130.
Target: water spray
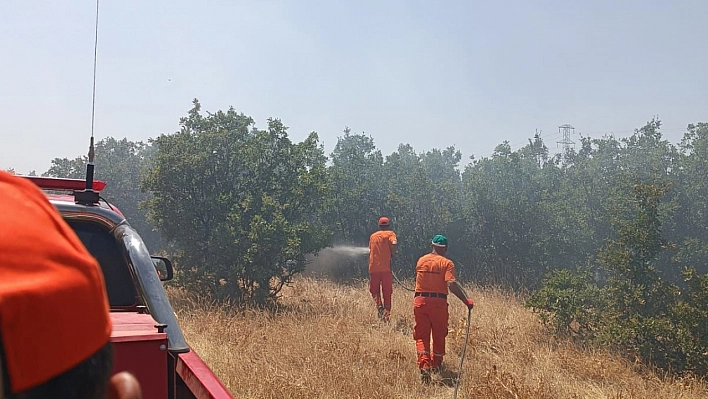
column 330, row 261
column 350, row 250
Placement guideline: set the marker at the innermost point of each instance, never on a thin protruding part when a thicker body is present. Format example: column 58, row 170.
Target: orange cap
column 53, row 306
column 383, row 221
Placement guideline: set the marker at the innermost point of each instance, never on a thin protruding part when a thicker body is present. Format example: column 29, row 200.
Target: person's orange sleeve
column 450, row 271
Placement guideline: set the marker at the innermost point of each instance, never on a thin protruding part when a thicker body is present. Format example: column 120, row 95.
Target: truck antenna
column 89, row 195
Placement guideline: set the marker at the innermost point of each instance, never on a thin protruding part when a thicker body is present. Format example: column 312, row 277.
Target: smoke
column 340, row 262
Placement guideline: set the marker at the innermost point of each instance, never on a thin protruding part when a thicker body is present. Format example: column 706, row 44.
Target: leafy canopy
column 241, row 204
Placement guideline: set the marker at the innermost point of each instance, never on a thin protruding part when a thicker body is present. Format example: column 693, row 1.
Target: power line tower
column 566, row 130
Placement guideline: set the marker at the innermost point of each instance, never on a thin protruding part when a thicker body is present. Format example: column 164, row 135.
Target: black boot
column 381, row 312
column 425, row 376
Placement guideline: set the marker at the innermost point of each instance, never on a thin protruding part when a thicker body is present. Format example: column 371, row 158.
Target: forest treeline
column 610, row 239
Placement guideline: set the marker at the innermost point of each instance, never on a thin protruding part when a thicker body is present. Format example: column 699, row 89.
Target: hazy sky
column 429, row 73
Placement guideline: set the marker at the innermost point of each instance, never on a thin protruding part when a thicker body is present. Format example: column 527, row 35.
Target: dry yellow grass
column 326, row 342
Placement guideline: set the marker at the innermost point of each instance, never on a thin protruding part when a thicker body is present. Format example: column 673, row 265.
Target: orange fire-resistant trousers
column 381, row 284
column 431, row 317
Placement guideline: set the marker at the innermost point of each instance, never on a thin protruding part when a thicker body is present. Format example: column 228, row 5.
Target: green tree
column 241, row 205
column 637, row 312
column 357, row 188
column 569, row 303
column 68, row 168
column 119, row 163
column 638, row 318
column 689, row 229
column 511, row 237
column 689, row 318
column 423, row 194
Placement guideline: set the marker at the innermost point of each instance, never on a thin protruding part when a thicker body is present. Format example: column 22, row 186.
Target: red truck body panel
column 142, row 351
column 199, row 378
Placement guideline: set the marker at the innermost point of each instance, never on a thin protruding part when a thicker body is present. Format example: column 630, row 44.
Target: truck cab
column 146, row 337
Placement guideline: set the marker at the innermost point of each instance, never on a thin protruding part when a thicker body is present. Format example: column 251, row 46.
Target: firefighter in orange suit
column 382, row 246
column 435, row 274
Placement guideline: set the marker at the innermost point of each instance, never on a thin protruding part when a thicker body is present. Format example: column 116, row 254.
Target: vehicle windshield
column 103, row 246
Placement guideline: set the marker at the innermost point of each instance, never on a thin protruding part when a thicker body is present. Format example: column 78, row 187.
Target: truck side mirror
column 163, row 266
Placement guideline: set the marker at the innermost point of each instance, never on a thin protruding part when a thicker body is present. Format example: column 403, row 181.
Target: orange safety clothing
column 433, row 271
column 430, row 313
column 381, row 286
column 380, row 275
column 431, row 318
column 380, row 250
column 54, row 310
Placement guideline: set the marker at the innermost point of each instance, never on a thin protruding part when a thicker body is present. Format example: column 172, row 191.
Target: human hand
column 470, row 303
column 124, row 385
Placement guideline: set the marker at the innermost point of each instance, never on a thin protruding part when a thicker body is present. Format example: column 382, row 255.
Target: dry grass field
column 326, row 342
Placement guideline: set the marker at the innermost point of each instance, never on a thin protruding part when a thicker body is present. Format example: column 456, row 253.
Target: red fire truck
column 146, row 336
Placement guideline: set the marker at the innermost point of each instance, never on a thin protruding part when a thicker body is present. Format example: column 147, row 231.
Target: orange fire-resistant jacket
column 380, row 250
column 433, row 271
